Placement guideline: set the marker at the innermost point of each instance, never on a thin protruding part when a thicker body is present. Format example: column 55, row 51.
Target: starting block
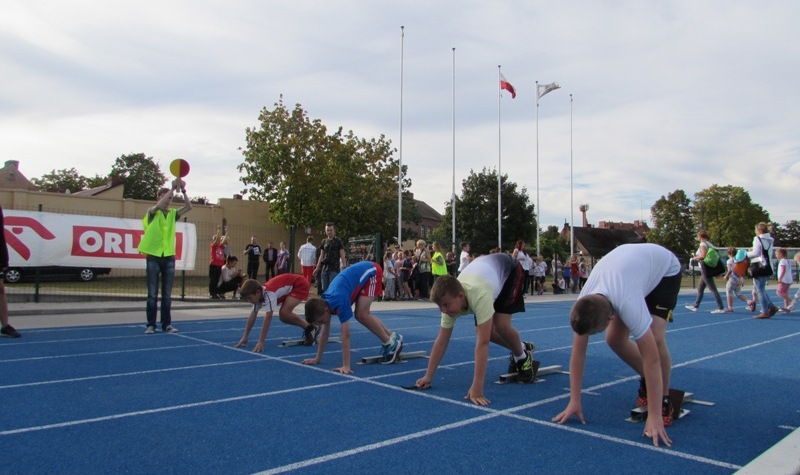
column 678, row 399
column 537, row 371
column 404, row 355
column 287, row 343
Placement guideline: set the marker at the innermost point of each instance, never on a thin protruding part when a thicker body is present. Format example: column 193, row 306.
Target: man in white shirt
column 308, row 258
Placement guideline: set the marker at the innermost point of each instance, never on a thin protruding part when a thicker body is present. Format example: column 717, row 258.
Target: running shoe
column 641, row 397
column 170, row 329
column 391, row 352
column 525, row 368
column 9, row 332
column 718, row 310
column 149, row 330
column 691, row 307
column 666, row 411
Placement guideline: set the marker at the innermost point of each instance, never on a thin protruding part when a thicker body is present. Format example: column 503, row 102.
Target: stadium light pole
column 453, row 196
column 571, row 206
column 400, row 152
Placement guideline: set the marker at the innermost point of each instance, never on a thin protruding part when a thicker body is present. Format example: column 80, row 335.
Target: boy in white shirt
column 785, row 278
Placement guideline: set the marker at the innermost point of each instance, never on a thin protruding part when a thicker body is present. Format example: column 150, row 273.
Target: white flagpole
column 499, row 169
column 571, row 206
column 538, row 213
column 400, row 150
column 453, row 196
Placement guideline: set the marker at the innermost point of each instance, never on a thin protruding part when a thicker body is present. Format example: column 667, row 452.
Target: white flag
column 547, row 88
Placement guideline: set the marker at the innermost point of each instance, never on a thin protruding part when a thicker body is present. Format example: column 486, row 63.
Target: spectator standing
column 6, row 330
column 282, row 265
column 706, row 279
column 465, row 258
column 438, row 262
column 217, row 248
column 785, row 278
column 253, row 252
column 270, row 258
column 762, row 252
column 332, row 257
column 308, row 258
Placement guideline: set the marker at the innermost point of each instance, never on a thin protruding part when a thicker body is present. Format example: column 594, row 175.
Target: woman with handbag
column 708, row 258
column 761, row 269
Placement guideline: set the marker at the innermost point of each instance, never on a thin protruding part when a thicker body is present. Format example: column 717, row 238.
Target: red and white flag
column 504, row 84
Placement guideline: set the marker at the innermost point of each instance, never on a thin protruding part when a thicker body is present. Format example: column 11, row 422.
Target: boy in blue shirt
column 357, row 284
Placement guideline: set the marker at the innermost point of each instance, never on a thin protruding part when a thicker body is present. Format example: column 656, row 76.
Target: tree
column 140, row 175
column 61, row 181
column 476, row 213
column 728, row 214
column 673, row 226
column 309, row 176
column 788, row 235
column 96, row 181
column 551, row 242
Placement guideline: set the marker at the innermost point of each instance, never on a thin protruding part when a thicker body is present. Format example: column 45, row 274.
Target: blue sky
column 666, row 95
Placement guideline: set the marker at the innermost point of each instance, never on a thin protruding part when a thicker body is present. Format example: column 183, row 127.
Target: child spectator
column 357, row 284
column 491, row 289
column 735, row 277
column 785, row 278
column 286, row 290
column 389, row 277
column 797, row 294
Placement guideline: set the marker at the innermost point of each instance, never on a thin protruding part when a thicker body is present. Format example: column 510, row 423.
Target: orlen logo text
column 97, row 241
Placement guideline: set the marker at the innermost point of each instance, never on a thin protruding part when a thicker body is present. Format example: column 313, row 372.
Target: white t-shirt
column 464, row 261
column 788, row 278
column 626, row 275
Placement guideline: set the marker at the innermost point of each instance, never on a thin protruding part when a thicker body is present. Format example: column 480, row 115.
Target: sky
column 654, row 97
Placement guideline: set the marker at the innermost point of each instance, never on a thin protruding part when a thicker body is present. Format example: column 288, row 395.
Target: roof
column 598, row 242
column 426, row 211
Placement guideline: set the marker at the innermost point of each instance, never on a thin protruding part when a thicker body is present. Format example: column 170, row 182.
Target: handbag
column 760, row 266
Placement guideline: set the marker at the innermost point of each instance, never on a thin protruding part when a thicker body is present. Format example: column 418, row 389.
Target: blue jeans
column 761, row 289
column 327, row 277
column 166, row 267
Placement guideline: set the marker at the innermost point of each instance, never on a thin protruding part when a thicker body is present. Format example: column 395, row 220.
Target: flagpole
column 400, row 150
column 571, row 205
column 453, row 196
column 538, row 213
column 499, row 170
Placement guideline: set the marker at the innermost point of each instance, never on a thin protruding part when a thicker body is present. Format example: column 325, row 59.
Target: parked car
column 50, row 273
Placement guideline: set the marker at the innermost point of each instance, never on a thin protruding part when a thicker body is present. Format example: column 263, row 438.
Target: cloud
column 677, row 95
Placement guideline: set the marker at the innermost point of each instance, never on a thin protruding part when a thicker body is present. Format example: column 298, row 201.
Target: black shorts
column 661, row 300
column 511, row 298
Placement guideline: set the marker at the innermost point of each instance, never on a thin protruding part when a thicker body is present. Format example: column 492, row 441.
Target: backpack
column 740, row 268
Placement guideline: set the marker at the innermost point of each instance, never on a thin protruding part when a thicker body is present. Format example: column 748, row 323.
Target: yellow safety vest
column 159, row 234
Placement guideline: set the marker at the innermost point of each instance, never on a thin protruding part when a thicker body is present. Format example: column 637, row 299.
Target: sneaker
column 512, row 364
column 773, row 310
column 691, row 307
column 310, row 335
column 751, row 305
column 9, row 332
column 666, row 411
column 525, row 368
column 718, row 310
column 641, row 396
column 149, row 330
column 392, row 351
column 170, row 329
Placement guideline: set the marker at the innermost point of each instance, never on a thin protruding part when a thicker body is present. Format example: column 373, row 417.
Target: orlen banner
column 52, row 239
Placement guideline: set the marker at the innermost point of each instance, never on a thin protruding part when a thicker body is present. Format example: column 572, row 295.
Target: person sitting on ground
column 491, row 289
column 560, row 286
column 357, row 284
column 286, row 290
column 230, row 277
column 631, row 293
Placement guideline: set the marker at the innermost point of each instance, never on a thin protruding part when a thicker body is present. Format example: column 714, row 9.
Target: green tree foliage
column 728, row 214
column 673, row 226
column 476, row 213
column 140, row 175
column 788, row 234
column 309, row 176
column 61, row 181
column 551, row 243
column 96, row 181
